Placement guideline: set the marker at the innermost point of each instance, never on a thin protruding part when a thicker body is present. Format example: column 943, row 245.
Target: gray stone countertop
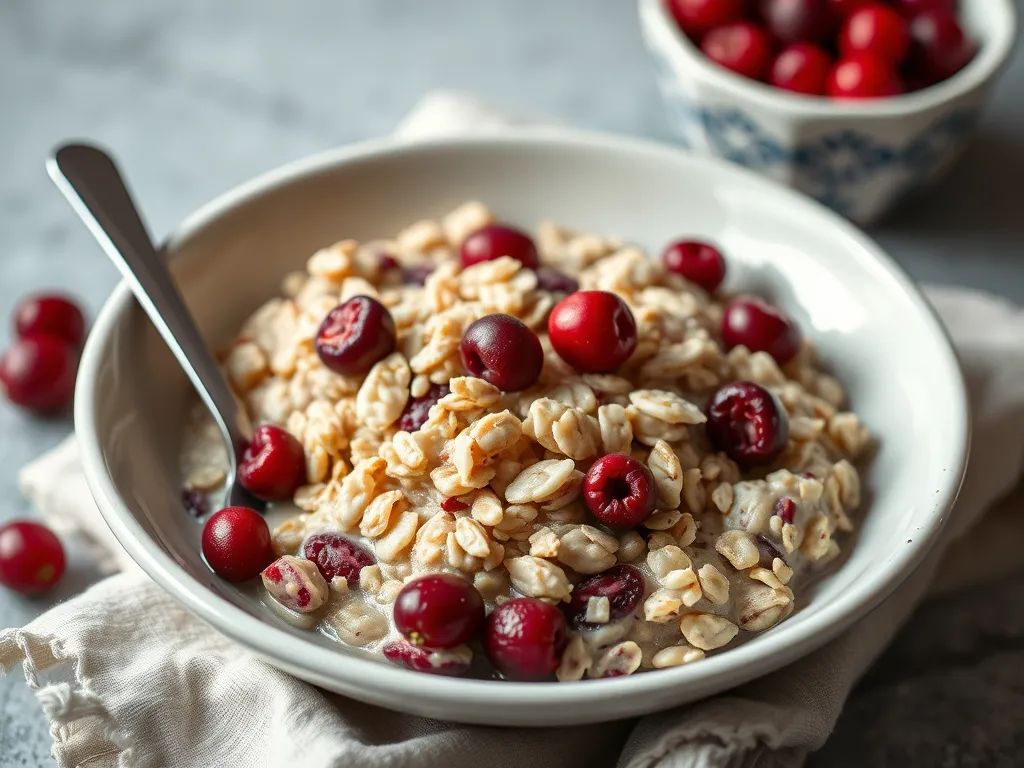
column 195, row 97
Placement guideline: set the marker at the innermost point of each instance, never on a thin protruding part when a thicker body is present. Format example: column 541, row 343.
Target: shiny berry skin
column 335, row 555
column 863, row 76
column 939, row 48
column 700, row 263
column 619, row 491
column 747, row 423
column 801, row 68
column 741, row 46
column 424, row 659
column 695, row 17
column 914, row 7
column 798, row 21
column 497, row 240
column 236, row 543
column 38, row 372
column 760, row 327
column 502, row 351
column 274, row 464
column 417, row 409
column 439, row 611
column 355, row 335
column 524, row 638
column 549, row 279
column 623, row 585
column 593, row 331
column 418, row 273
column 50, row 315
column 877, row 29
column 31, row 557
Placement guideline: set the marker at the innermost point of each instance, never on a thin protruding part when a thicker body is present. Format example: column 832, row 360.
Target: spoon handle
column 90, row 181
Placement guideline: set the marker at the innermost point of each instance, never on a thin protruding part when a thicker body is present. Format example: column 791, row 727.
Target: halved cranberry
column 497, row 240
column 452, row 504
column 439, row 610
column 863, row 76
column 801, row 68
column 37, row 372
column 418, row 273
column 51, row 315
column 524, row 638
column 549, row 279
column 274, row 464
column 700, row 263
column 236, row 543
column 767, row 550
column 593, row 331
column 747, row 423
column 194, row 502
column 695, row 17
column 623, row 585
column 417, row 410
column 878, row 29
column 355, row 335
column 503, row 351
column 939, row 47
column 798, row 21
column 760, row 327
column 785, row 508
column 619, row 490
column 740, row 46
column 336, row 555
column 31, row 557
column 423, row 659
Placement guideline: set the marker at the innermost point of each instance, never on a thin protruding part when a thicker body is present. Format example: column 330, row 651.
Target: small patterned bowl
column 860, row 158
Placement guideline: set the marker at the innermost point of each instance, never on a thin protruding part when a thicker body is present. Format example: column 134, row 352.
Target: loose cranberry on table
column 417, row 410
column 37, row 372
column 549, row 279
column 700, row 263
column 798, row 21
column 336, row 555
column 274, row 464
column 497, row 240
column 760, row 327
column 51, row 315
column 695, row 17
column 623, row 585
column 593, row 331
column 741, row 46
column 355, row 335
column 863, row 76
column 939, row 48
column 875, row 28
column 31, row 557
column 525, row 638
column 619, row 490
column 503, row 351
column 747, row 423
column 439, row 611
column 801, row 68
column 425, row 659
column 236, row 543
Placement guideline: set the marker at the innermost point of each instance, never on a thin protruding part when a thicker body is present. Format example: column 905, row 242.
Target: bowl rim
column 990, row 59
column 312, row 661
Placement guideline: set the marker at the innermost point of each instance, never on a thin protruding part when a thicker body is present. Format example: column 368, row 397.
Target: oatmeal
column 552, row 457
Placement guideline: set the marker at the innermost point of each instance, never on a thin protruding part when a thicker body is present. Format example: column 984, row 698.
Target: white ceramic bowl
column 873, row 328
column 860, row 158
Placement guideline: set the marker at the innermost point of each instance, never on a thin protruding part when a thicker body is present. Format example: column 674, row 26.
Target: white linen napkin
column 127, row 677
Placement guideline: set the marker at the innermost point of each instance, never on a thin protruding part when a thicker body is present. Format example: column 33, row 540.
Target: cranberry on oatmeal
column 541, row 458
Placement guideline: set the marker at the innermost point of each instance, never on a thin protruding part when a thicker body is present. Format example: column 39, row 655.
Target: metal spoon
column 90, row 181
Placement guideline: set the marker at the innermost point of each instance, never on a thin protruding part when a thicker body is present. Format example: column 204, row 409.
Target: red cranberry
column 194, row 502
column 386, row 262
column 798, row 21
column 502, row 351
column 50, row 315
column 439, row 611
column 914, row 7
column 863, row 76
column 452, row 504
column 785, row 508
column 549, row 279
column 423, row 659
column 593, row 331
column 695, row 17
column 878, row 29
column 355, row 335
column 747, row 423
column 31, row 557
column 939, row 47
column 741, row 46
column 336, row 555
column 496, row 240
column 274, row 464
column 760, row 327
column 623, row 585
column 801, row 68
column 700, row 263
column 236, row 543
column 524, row 638
column 417, row 410
column 418, row 273
column 840, row 9
column 619, row 490
column 38, row 372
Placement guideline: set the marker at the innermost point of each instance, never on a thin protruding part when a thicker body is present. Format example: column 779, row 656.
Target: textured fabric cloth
column 127, row 677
